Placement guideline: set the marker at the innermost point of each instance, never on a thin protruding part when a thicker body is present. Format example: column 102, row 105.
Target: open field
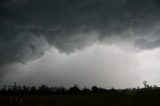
column 151, row 98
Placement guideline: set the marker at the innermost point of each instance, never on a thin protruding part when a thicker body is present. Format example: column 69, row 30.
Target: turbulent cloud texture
column 30, row 28
column 67, row 24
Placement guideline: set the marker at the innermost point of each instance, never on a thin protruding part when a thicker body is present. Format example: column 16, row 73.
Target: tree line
column 45, row 90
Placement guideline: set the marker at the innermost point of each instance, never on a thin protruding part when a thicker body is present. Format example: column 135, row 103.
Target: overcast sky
column 107, row 43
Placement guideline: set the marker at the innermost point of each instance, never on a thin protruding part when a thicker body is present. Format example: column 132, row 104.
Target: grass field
column 97, row 99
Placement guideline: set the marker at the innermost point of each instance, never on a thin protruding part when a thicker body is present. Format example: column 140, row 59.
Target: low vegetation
column 74, row 96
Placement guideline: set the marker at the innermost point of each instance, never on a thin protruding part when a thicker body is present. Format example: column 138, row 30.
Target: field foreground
column 129, row 98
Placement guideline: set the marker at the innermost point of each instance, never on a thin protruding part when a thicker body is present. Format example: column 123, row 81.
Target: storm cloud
column 29, row 28
column 67, row 24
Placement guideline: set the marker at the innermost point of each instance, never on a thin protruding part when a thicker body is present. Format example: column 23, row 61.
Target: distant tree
column 74, row 89
column 112, row 90
column 33, row 90
column 155, row 87
column 145, row 84
column 52, row 90
column 59, row 90
column 94, row 89
column 86, row 90
column 44, row 89
column 25, row 89
column 15, row 86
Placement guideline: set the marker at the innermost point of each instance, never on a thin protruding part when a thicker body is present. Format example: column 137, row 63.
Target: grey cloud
column 67, row 24
column 22, row 48
column 145, row 44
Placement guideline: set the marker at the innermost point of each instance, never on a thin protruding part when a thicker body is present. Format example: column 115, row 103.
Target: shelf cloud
column 31, row 28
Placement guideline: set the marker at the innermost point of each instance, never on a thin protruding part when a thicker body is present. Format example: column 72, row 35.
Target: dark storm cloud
column 26, row 25
column 12, row 3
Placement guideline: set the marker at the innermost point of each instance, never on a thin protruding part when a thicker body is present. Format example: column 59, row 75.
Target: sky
column 107, row 43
